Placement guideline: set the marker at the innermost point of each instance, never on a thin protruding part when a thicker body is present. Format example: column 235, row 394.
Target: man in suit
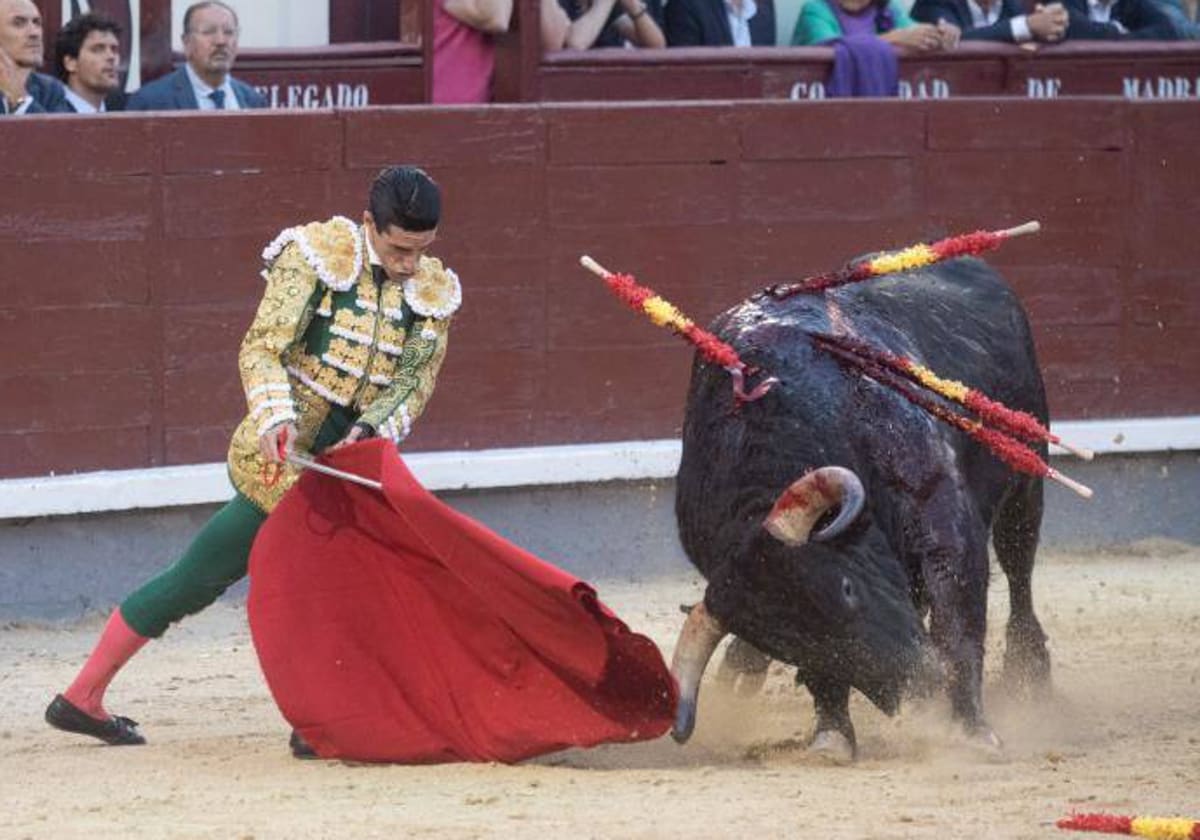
column 203, row 83
column 1119, row 20
column 87, row 51
column 721, row 23
column 22, row 89
column 996, row 20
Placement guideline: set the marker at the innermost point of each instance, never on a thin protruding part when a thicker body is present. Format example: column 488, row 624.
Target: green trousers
column 216, row 559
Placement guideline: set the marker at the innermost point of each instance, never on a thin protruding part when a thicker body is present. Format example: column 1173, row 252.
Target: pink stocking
column 118, row 643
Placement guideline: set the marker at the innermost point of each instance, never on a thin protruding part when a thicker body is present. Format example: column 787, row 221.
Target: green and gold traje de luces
column 329, row 346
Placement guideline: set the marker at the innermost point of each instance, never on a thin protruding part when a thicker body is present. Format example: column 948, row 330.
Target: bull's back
column 960, row 319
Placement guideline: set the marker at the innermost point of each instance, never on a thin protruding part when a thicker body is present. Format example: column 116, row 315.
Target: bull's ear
column 807, row 499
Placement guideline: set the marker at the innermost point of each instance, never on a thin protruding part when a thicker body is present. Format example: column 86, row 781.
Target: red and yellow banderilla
column 1156, row 828
column 906, row 259
column 663, row 312
column 1007, row 433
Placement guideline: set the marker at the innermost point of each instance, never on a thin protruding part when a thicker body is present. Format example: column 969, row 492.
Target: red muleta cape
column 392, row 628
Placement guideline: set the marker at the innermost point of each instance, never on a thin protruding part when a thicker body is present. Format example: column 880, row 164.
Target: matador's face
column 399, row 250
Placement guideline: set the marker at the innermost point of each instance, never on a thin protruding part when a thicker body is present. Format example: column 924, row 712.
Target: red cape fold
column 390, row 627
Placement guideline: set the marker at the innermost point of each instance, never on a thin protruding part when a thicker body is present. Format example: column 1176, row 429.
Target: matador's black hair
column 406, row 197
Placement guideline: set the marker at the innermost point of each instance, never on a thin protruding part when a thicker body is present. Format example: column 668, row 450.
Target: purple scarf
column 863, row 64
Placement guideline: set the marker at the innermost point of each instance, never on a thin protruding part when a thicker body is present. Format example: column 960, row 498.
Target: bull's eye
column 849, row 595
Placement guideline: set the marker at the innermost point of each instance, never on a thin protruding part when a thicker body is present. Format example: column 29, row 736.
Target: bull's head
column 831, row 602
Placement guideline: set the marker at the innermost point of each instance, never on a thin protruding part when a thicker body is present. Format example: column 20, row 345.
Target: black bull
column 846, row 600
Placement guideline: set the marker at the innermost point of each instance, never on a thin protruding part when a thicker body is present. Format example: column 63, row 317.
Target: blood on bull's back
column 847, row 606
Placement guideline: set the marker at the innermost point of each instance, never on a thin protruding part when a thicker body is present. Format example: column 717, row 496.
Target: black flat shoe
column 301, row 748
column 117, row 731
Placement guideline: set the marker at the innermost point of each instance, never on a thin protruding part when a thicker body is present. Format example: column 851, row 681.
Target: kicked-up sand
column 1121, row 734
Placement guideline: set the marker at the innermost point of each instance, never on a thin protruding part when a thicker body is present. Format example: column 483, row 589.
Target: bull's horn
column 799, row 507
column 699, row 638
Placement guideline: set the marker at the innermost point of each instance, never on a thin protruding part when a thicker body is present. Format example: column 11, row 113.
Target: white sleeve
column 1020, row 29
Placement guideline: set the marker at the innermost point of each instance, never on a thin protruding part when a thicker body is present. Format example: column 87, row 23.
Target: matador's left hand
column 355, row 434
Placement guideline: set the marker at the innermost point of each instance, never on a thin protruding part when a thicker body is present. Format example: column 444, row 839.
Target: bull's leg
column 1026, row 661
column 833, row 738
column 955, row 571
column 744, row 668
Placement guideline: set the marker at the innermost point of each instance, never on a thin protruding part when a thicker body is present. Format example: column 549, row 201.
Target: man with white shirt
column 997, row 20
column 203, row 83
column 720, row 23
column 1004, row 20
column 1119, row 20
column 87, row 52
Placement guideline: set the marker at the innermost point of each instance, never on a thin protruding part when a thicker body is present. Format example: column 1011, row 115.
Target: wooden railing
column 394, row 70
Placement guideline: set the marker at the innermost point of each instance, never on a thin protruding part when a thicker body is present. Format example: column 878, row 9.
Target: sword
column 309, row 464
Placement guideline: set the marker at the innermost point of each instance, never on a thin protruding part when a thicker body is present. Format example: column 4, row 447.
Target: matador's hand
column 355, row 434
column 268, row 442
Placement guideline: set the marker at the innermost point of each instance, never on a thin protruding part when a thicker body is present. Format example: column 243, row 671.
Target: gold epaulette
column 333, row 248
column 434, row 291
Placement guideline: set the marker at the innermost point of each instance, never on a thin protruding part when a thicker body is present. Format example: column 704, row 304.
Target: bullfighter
column 346, row 345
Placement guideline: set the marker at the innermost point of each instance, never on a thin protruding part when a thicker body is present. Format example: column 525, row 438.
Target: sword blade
column 309, row 464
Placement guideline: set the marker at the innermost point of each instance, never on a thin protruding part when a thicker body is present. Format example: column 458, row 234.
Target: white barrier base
column 159, row 487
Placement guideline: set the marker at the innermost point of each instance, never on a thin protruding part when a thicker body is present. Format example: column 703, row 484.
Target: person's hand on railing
column 950, row 33
column 1048, row 22
column 638, row 26
column 920, row 37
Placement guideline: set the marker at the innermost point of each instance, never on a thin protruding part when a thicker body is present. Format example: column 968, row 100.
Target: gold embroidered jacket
column 329, row 347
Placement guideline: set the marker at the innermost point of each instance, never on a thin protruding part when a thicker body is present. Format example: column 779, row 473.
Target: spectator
column 1119, row 20
column 22, row 89
column 604, row 23
column 721, row 23
column 210, row 40
column 86, row 53
column 827, row 20
column 1182, row 14
column 464, row 55
column 1189, row 26
column 996, row 20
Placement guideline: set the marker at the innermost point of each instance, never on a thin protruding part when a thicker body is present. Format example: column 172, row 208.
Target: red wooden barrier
column 129, row 251
column 1133, row 71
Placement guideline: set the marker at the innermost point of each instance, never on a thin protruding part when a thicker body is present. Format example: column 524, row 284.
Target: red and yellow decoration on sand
column 1156, row 828
column 663, row 312
column 915, row 256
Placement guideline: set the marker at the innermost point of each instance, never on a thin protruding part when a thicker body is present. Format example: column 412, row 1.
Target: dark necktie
column 378, row 274
column 218, row 98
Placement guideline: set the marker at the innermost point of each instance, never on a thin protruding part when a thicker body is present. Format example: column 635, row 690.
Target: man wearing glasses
column 210, row 40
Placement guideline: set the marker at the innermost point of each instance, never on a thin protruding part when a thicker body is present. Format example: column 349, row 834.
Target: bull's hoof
column 744, row 684
column 832, row 747
column 743, row 669
column 1027, row 678
column 985, row 742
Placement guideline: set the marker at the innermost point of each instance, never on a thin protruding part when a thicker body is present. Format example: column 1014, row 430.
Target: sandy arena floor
column 1122, row 735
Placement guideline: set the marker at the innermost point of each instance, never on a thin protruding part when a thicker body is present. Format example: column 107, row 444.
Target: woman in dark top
column 611, row 23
